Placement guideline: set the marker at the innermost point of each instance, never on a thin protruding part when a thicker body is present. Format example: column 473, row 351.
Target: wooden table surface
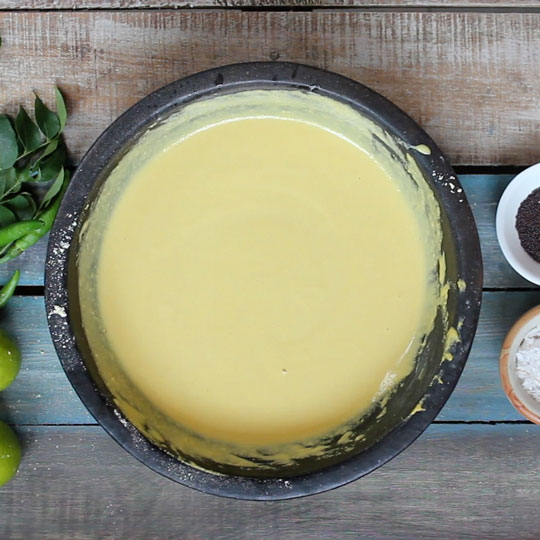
column 469, row 72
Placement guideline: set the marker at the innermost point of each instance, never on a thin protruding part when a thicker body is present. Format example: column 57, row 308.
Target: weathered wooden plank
column 141, row 4
column 479, row 395
column 42, row 395
column 470, row 78
column 31, row 264
column 483, row 192
column 475, row 481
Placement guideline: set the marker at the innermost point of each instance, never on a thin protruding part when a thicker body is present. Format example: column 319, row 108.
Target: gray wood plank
column 439, row 66
column 483, row 192
column 479, row 395
column 31, row 264
column 162, row 4
column 42, row 395
column 473, row 481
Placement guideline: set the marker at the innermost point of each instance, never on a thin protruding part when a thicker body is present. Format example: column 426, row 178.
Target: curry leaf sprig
column 32, row 175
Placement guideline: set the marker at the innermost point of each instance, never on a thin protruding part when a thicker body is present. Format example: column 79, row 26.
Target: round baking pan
column 432, row 379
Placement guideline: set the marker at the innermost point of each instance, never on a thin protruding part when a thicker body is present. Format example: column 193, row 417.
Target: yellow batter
column 261, row 281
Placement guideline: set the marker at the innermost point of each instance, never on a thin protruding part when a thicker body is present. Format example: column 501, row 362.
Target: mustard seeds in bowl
column 528, row 224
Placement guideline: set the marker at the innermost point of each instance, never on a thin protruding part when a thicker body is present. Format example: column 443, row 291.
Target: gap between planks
column 395, row 5
column 39, row 290
column 238, row 5
column 434, row 422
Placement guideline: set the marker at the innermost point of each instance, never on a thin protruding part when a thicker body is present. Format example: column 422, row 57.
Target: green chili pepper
column 46, row 220
column 9, row 288
column 13, row 232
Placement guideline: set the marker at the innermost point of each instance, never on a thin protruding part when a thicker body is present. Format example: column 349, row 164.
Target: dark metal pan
column 432, row 381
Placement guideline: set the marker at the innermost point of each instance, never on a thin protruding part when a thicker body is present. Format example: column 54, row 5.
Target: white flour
column 528, row 363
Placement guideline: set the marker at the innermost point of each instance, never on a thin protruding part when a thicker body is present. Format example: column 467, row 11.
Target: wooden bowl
column 518, row 396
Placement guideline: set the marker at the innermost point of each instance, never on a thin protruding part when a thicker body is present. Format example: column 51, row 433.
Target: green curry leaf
column 7, row 217
column 48, row 121
column 53, row 190
column 61, row 109
column 8, row 179
column 50, row 167
column 9, row 150
column 28, row 133
column 22, row 205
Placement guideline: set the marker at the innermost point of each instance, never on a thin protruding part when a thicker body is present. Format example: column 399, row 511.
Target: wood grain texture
column 475, row 481
column 42, row 395
column 483, row 193
column 479, row 395
column 471, row 79
column 141, row 4
column 31, row 263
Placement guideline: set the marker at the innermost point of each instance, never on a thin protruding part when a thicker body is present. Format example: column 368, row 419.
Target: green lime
column 10, row 453
column 10, row 360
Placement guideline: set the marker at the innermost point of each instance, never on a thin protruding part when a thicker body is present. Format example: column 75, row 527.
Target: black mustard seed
column 528, row 224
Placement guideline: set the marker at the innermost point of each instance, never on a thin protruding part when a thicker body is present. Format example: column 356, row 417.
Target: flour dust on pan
column 280, row 280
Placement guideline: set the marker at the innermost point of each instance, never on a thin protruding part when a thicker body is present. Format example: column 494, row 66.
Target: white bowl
column 518, row 396
column 514, row 194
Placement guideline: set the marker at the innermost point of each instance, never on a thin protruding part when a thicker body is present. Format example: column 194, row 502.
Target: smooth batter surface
column 263, row 280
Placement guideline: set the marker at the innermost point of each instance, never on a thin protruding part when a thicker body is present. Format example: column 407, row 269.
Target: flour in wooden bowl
column 528, row 363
